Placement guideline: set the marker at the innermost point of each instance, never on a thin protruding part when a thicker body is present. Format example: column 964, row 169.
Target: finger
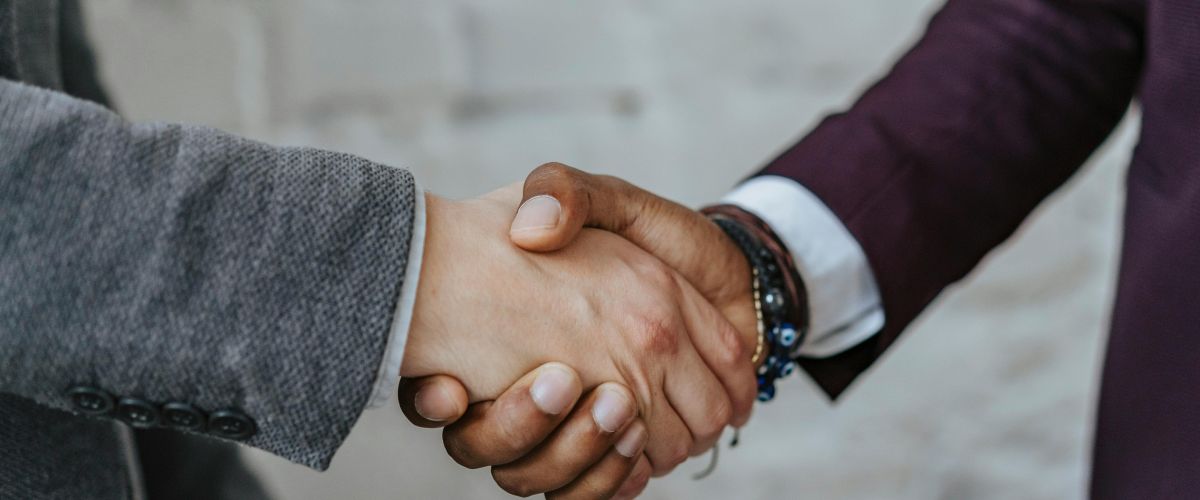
column 701, row 402
column 579, row 442
column 721, row 347
column 558, row 200
column 637, row 480
column 604, row 478
column 433, row 401
column 555, row 205
column 500, row 431
column 670, row 440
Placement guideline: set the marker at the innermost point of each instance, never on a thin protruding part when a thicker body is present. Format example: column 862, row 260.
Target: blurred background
column 991, row 393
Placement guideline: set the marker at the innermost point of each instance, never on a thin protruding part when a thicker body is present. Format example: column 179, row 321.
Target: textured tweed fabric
column 176, row 263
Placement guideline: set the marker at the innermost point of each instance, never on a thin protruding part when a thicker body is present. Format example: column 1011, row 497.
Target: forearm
column 940, row 161
column 178, row 263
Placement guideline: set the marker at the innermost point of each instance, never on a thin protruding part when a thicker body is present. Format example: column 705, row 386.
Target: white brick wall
column 375, row 57
column 988, row 397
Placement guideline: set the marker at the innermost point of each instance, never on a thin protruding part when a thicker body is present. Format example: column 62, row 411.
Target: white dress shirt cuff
column 388, row 379
column 844, row 303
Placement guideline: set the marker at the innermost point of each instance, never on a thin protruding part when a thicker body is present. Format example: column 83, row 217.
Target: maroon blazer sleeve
column 940, row 161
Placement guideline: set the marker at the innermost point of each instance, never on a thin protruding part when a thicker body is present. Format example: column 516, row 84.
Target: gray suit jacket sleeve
column 180, row 263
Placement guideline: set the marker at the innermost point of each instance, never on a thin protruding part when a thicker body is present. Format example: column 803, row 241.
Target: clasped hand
column 651, row 312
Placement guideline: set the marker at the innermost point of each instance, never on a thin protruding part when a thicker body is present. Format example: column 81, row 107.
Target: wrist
column 425, row 340
column 737, row 298
column 775, row 259
column 779, row 296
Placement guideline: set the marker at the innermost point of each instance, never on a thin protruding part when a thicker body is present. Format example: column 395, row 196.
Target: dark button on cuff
column 137, row 412
column 90, row 400
column 183, row 416
column 231, row 424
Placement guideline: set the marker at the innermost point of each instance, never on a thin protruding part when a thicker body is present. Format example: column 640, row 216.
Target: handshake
column 595, row 285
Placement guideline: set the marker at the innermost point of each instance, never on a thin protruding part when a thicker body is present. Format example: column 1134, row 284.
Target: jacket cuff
column 387, row 382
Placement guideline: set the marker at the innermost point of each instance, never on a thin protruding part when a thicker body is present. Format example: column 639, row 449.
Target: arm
column 173, row 263
column 178, row 263
column 940, row 161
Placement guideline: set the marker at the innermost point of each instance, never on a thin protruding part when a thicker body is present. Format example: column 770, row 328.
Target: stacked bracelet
column 780, row 300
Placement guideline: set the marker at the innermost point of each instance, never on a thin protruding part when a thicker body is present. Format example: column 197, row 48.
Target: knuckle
column 720, row 417
column 567, row 184
column 554, row 167
column 652, row 276
column 461, row 451
column 680, row 454
column 552, row 170
column 735, row 352
column 644, row 392
column 511, row 439
column 597, row 486
column 660, row 276
column 512, row 483
column 508, row 433
column 677, row 454
column 638, row 479
column 489, row 439
column 585, row 308
column 656, row 334
column 636, row 486
column 664, row 456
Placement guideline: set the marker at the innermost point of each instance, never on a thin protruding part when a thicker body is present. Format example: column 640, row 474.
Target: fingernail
column 539, row 212
column 632, row 441
column 431, row 404
column 612, row 410
column 551, row 390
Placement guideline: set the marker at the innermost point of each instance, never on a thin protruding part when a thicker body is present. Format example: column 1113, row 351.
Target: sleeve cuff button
column 183, row 416
column 138, row 413
column 231, row 424
column 90, row 400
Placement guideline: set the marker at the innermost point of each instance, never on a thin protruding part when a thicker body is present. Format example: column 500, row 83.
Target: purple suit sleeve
column 940, row 161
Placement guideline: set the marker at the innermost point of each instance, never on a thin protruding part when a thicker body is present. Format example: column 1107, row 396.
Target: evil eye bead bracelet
column 780, row 300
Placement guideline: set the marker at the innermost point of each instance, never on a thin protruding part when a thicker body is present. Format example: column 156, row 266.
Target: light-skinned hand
column 557, row 203
column 488, row 312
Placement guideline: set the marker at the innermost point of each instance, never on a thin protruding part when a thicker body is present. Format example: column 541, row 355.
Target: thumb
column 558, row 201
column 433, row 401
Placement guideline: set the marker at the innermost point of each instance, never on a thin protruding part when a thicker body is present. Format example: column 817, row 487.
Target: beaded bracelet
column 780, row 302
column 782, row 316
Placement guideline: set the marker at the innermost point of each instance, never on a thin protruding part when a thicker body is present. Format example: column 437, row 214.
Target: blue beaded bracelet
column 778, row 337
